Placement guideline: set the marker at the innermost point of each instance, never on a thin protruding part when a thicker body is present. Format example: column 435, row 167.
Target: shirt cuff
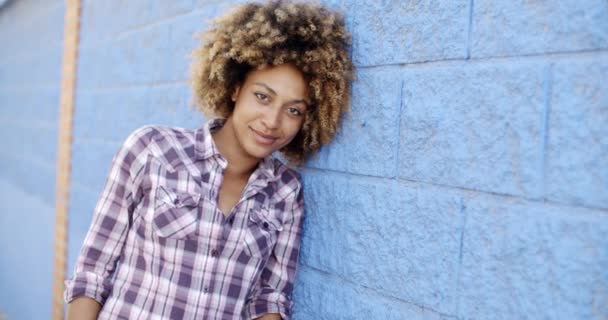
column 260, row 308
column 86, row 284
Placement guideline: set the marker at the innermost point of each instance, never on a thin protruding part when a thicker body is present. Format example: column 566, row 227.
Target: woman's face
column 269, row 110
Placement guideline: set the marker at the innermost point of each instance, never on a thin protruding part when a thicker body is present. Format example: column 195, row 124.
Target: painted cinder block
column 35, row 176
column 31, row 69
column 525, row 260
column 44, row 30
column 508, row 28
column 92, row 68
column 127, row 60
column 476, row 126
column 26, row 253
column 125, row 109
column 399, row 239
column 367, row 141
column 182, row 39
column 40, row 144
column 391, row 32
column 577, row 146
column 81, row 205
column 319, row 295
column 102, row 20
column 157, row 54
column 30, row 28
column 23, row 108
column 134, row 16
column 87, row 155
column 13, row 144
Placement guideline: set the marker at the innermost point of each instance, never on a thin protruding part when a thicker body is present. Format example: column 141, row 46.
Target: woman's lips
column 263, row 138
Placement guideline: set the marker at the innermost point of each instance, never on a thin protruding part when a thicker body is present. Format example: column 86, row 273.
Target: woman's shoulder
column 286, row 175
column 156, row 132
column 158, row 141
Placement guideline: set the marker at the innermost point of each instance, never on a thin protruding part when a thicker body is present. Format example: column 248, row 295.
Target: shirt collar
column 206, row 148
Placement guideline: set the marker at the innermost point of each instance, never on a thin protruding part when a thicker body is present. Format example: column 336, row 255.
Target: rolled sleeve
column 106, row 235
column 87, row 284
column 273, row 291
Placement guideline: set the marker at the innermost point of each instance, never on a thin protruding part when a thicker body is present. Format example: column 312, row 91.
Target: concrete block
column 367, row 141
column 31, row 174
column 125, row 109
column 523, row 260
column 508, row 28
column 13, row 145
column 475, row 126
column 40, row 181
column 577, row 147
column 87, row 155
column 42, row 69
column 40, row 144
column 399, row 239
column 156, row 54
column 181, row 40
column 391, row 32
column 24, row 107
column 105, row 20
column 26, row 253
column 81, row 208
column 31, row 28
column 318, row 295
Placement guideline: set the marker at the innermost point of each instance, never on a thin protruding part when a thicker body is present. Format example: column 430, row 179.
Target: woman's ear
column 235, row 93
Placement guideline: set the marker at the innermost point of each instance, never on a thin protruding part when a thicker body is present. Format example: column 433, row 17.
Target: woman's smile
column 263, row 138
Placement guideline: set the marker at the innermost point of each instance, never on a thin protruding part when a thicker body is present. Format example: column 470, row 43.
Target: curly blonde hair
column 253, row 35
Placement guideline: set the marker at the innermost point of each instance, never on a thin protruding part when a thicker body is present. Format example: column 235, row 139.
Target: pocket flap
column 176, row 198
column 264, row 219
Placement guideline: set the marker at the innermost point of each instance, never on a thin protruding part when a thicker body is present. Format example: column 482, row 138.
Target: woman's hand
column 270, row 316
column 84, row 308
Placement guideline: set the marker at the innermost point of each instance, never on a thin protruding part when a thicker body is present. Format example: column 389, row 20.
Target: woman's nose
column 272, row 117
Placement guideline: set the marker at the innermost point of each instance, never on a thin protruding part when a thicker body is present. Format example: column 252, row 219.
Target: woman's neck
column 240, row 164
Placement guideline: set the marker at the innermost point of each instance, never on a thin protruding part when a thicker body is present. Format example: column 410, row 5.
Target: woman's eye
column 261, row 96
column 294, row 111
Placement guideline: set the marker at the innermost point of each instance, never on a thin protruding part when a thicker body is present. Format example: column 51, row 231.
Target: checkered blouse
column 160, row 248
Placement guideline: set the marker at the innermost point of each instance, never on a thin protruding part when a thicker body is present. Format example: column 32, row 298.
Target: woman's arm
column 270, row 316
column 83, row 308
column 272, row 295
column 106, row 236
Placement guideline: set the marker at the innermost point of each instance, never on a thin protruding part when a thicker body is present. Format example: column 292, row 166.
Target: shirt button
column 265, row 224
column 214, row 253
column 231, row 220
column 206, row 289
column 176, row 201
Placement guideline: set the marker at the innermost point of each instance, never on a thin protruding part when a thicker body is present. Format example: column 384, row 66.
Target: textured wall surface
column 31, row 42
column 469, row 181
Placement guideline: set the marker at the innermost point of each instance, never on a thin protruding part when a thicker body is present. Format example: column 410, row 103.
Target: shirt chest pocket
column 261, row 234
column 175, row 213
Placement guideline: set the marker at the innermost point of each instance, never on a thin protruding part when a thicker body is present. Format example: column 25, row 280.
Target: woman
column 206, row 223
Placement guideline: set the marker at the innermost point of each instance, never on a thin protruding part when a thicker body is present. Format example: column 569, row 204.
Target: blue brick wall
column 469, row 180
column 31, row 41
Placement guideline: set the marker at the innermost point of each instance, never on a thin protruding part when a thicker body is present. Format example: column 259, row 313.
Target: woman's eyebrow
column 267, row 87
column 275, row 93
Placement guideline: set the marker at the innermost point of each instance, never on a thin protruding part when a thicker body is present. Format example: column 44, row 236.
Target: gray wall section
column 469, row 180
column 31, row 40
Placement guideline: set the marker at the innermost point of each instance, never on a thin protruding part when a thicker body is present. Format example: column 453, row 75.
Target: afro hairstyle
column 255, row 35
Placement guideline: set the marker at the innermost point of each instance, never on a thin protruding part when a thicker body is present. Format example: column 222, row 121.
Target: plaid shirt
column 159, row 247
